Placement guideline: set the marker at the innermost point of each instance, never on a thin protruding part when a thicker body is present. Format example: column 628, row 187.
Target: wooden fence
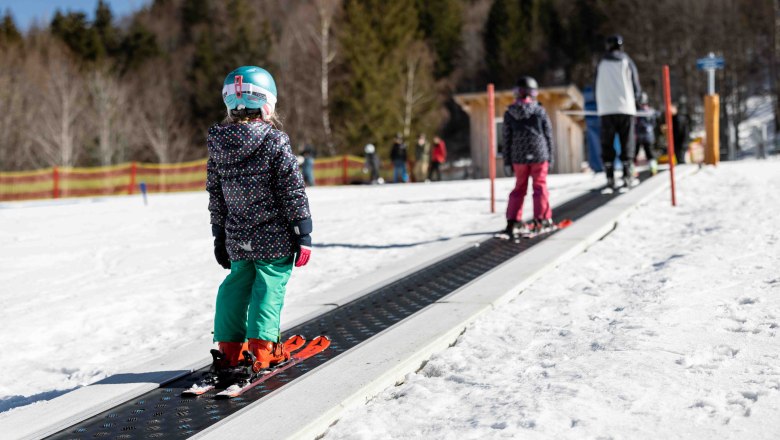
column 57, row 182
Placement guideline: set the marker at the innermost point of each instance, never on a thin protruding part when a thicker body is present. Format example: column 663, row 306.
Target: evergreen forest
column 96, row 89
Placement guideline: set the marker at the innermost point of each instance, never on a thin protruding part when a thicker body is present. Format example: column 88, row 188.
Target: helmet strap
column 245, row 112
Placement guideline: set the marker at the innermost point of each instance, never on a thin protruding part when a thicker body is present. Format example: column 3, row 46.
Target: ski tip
column 296, row 338
column 565, row 222
column 195, row 392
column 190, row 395
column 321, row 341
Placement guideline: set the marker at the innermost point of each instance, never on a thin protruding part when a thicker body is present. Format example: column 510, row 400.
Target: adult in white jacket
column 617, row 94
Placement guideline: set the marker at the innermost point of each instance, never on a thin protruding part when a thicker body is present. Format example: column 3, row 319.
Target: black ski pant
column 434, row 169
column 623, row 126
column 648, row 147
column 679, row 152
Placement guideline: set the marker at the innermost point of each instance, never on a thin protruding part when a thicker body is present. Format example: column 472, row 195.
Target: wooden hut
column 568, row 131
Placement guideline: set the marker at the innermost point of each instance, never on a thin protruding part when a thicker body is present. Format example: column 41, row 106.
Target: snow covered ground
column 667, row 328
column 91, row 287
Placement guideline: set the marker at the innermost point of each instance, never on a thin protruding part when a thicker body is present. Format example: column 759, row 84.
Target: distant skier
column 307, row 167
column 398, row 157
column 528, row 152
column 681, row 123
column 260, row 219
column 420, row 166
column 645, row 131
column 438, row 157
column 617, row 93
column 371, row 164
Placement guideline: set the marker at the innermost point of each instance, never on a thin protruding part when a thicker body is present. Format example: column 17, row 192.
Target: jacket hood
column 232, row 143
column 615, row 55
column 521, row 111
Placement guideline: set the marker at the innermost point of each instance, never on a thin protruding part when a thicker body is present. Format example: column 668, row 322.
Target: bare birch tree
column 58, row 131
column 15, row 118
column 419, row 90
column 326, row 10
column 305, row 53
column 295, row 84
column 108, row 99
column 164, row 130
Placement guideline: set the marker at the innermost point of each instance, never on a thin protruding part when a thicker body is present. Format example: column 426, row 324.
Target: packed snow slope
column 91, row 287
column 667, row 328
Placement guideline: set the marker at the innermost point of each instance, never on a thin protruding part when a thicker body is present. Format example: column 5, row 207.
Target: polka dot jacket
column 256, row 190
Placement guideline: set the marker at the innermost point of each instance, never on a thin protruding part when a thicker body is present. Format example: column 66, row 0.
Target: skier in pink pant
column 528, row 152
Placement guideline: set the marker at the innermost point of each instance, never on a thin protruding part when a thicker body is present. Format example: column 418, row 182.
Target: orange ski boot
column 267, row 353
column 232, row 354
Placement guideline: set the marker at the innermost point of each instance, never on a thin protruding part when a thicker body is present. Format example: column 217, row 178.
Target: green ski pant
column 250, row 300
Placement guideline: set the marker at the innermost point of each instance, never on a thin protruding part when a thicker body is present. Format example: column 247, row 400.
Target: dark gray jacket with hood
column 256, row 191
column 527, row 134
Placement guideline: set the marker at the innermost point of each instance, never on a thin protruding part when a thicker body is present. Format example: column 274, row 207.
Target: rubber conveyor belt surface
column 163, row 413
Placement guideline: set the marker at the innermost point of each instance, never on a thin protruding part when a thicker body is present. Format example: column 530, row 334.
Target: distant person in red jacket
column 438, row 156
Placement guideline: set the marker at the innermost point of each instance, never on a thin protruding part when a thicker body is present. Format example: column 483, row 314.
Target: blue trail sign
column 710, row 63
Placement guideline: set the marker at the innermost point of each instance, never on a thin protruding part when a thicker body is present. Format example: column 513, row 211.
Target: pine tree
column 583, row 36
column 226, row 36
column 377, row 42
column 441, row 21
column 138, row 46
column 550, row 22
column 512, row 36
column 249, row 38
column 9, row 33
column 206, row 82
column 104, row 27
column 194, row 13
column 74, row 30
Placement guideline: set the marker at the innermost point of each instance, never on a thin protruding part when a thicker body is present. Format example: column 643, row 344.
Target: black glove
column 508, row 170
column 302, row 230
column 220, row 251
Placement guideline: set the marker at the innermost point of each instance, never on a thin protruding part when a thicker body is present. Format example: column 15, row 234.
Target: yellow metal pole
column 712, row 127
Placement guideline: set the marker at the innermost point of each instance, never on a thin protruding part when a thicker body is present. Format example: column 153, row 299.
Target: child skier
column 528, row 152
column 260, row 219
column 645, row 131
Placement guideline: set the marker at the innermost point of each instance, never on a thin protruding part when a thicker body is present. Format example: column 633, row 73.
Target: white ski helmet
column 370, row 149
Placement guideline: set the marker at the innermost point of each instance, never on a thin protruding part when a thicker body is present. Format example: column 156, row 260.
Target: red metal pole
column 56, row 178
column 491, row 145
column 133, row 172
column 669, row 130
column 344, row 165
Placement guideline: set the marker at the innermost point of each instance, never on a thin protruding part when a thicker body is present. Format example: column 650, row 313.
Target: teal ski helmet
column 249, row 90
